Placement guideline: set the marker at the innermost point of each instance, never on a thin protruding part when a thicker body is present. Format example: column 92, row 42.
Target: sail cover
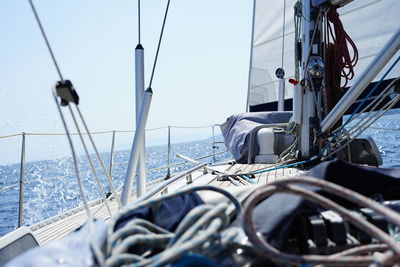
column 370, row 23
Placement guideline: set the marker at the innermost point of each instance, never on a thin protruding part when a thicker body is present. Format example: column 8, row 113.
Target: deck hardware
column 189, row 178
column 66, row 91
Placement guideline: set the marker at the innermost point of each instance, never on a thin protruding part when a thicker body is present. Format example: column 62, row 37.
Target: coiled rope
column 203, row 229
column 344, row 62
column 390, row 255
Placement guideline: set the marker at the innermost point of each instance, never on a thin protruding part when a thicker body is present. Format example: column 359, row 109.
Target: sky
column 201, row 76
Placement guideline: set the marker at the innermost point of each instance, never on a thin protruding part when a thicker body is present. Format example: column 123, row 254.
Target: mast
column 139, row 86
column 139, row 89
column 312, row 71
column 138, row 147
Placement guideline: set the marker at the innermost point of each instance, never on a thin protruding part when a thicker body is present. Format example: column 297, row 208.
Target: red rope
column 344, row 62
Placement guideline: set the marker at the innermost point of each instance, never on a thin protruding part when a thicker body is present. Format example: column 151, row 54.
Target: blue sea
column 54, row 189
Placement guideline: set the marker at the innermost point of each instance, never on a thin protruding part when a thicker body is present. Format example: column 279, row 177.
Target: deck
column 61, row 225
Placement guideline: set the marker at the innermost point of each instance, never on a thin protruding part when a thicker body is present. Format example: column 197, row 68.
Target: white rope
column 199, row 231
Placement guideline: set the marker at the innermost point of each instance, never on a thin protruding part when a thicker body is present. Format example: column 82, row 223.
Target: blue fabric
column 74, row 250
column 168, row 214
column 275, row 216
column 193, row 260
column 237, row 128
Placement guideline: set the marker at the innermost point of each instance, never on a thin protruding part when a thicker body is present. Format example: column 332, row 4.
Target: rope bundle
column 344, row 62
column 391, row 249
column 203, row 230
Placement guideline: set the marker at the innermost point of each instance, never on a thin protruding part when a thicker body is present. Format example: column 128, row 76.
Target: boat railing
column 112, row 164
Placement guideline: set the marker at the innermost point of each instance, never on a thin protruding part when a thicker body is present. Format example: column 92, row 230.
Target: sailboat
column 231, row 213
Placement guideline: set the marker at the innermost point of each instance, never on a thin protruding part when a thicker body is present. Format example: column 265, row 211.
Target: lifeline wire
column 285, row 185
column 159, row 43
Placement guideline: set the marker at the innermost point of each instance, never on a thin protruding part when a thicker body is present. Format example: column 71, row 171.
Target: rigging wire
column 75, row 160
column 80, row 184
column 377, row 100
column 46, row 40
column 99, row 185
column 139, row 28
column 386, row 108
column 110, row 183
column 94, row 246
column 385, row 129
column 159, row 44
column 81, row 116
column 376, row 103
column 358, row 107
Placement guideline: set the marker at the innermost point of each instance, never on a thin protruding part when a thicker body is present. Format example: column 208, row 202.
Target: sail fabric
column 266, row 55
column 370, row 23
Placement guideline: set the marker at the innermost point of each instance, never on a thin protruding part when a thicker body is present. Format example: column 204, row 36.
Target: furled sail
column 370, row 23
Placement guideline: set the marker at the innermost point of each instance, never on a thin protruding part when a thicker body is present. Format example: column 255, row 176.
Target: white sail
column 370, row 23
column 266, row 54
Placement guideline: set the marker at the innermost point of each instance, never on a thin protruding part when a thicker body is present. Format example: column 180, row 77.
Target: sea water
column 55, row 190
column 51, row 188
